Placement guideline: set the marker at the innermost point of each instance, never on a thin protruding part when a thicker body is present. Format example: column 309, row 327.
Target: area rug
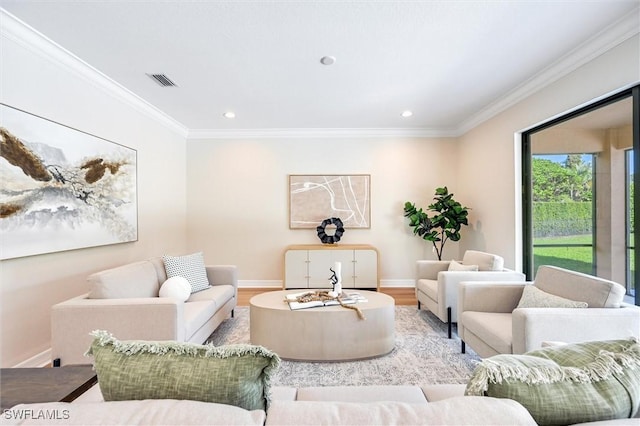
column 422, row 355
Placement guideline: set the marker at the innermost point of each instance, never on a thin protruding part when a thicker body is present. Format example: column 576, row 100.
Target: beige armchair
column 437, row 282
column 491, row 322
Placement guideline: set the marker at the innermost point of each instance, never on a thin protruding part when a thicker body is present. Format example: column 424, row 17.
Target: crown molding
column 319, row 133
column 616, row 33
column 16, row 30
column 19, row 32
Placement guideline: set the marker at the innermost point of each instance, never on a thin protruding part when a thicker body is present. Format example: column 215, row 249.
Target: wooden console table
column 30, row 385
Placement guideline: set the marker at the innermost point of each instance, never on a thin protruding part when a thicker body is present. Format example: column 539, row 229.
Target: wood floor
column 402, row 295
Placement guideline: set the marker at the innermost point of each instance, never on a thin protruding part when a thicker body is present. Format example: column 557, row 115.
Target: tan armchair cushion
column 485, row 261
column 137, row 279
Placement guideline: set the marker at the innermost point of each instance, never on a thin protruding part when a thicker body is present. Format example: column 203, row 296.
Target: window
column 579, row 191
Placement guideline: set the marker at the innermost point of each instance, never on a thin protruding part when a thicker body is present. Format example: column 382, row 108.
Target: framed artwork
column 61, row 188
column 314, row 198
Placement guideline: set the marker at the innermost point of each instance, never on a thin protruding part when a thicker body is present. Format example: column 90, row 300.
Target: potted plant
column 445, row 225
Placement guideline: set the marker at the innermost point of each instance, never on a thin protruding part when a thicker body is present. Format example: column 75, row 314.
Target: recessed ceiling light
column 406, row 113
column 229, row 114
column 327, row 60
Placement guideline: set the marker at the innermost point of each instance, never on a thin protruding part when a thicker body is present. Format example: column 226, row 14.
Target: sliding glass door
column 579, row 191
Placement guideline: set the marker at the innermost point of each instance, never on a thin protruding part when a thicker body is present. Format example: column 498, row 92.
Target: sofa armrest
column 502, row 297
column 428, row 269
column 448, row 283
column 532, row 326
column 223, row 275
column 152, row 318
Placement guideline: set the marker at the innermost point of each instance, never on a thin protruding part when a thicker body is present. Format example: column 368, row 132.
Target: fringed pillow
column 574, row 383
column 134, row 370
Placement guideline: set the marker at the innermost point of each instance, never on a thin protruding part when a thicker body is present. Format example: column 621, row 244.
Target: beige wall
column 238, row 198
column 229, row 197
column 29, row 286
column 489, row 173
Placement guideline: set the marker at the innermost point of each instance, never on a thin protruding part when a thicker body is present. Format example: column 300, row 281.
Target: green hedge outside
column 557, row 219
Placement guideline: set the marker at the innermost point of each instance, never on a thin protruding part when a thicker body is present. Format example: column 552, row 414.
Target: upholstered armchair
column 437, row 281
column 505, row 318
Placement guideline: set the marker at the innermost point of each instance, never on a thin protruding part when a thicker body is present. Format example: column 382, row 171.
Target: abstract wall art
column 313, row 198
column 61, row 188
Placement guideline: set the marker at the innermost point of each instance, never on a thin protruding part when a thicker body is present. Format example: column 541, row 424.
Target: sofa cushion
column 137, row 279
column 149, row 412
column 428, row 287
column 485, row 261
column 457, row 266
column 533, row 297
column 130, row 370
column 191, row 267
column 398, row 393
column 494, row 328
column 596, row 292
column 452, row 411
column 580, row 382
column 442, row 391
column 196, row 314
column 219, row 293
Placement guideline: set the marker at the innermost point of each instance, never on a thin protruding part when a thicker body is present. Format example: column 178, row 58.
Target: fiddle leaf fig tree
column 442, row 226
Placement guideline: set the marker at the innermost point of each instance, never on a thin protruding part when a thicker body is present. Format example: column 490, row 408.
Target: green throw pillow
column 133, row 370
column 559, row 385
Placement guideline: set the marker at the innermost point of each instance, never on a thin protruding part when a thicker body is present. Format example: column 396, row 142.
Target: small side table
column 58, row 384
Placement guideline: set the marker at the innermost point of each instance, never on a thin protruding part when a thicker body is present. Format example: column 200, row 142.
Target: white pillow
column 176, row 288
column 457, row 266
column 533, row 297
column 191, row 267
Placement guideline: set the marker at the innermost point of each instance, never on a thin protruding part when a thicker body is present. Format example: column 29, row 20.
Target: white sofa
column 491, row 323
column 124, row 301
column 437, row 285
column 335, row 405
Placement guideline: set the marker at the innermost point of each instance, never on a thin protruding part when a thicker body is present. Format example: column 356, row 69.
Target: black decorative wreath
column 330, row 239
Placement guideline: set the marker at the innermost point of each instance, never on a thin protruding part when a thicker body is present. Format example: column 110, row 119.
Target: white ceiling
column 453, row 63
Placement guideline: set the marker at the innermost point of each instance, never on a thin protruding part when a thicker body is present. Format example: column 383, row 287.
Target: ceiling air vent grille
column 162, row 80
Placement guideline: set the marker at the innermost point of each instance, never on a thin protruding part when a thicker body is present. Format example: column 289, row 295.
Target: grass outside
column 574, row 258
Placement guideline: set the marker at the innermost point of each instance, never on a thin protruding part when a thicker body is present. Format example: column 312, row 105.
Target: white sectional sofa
column 341, row 405
column 125, row 301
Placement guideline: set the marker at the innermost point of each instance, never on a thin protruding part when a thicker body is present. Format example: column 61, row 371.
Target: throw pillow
column 177, row 288
column 533, row 297
column 457, row 266
column 567, row 384
column 237, row 375
column 190, row 267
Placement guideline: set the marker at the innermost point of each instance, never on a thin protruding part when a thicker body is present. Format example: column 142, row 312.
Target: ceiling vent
column 162, row 80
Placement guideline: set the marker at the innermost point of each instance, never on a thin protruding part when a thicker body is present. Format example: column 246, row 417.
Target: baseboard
column 278, row 283
column 42, row 359
column 259, row 283
column 397, row 283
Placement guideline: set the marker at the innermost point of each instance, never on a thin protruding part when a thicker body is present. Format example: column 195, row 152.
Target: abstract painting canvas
column 61, row 188
column 314, row 198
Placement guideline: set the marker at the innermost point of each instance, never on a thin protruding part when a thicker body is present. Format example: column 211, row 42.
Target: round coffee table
column 328, row 333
